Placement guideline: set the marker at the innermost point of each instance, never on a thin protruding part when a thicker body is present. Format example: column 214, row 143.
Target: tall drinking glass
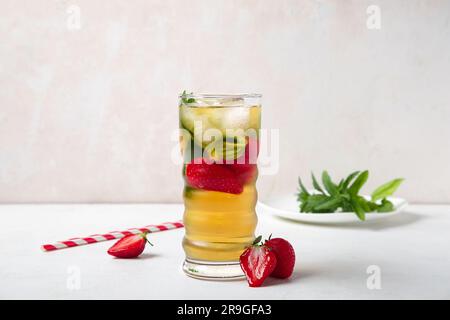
column 220, row 144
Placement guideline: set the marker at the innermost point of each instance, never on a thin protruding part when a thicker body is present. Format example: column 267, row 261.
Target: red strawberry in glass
column 245, row 166
column 212, row 177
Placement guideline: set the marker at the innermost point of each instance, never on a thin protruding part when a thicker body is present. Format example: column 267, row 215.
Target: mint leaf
column 358, row 183
column 340, row 185
column 316, row 184
column 302, row 187
column 349, row 179
column 373, row 206
column 385, row 206
column 328, row 184
column 358, row 209
column 364, row 204
column 302, row 197
column 313, row 201
column 185, row 99
column 331, row 204
column 188, row 192
column 386, row 189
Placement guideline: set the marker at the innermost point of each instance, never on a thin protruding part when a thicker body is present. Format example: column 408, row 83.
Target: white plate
column 286, row 206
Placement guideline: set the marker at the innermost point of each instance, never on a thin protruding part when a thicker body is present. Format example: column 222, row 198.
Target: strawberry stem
column 144, row 235
column 257, row 240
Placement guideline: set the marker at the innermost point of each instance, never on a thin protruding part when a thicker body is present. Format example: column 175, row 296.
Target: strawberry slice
column 285, row 257
column 212, row 177
column 245, row 166
column 244, row 172
column 129, row 246
column 257, row 262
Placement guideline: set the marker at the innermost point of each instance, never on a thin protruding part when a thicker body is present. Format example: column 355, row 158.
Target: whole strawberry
column 285, row 254
column 258, row 262
column 130, row 246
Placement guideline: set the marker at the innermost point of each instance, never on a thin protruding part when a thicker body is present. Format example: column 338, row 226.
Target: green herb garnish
column 188, row 192
column 185, row 99
column 345, row 195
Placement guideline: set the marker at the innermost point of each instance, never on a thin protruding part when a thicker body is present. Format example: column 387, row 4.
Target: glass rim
column 220, row 96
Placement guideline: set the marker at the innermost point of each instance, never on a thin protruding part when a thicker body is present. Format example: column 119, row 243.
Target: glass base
column 206, row 270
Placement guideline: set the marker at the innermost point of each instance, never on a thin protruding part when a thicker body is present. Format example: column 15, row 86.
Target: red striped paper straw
column 75, row 242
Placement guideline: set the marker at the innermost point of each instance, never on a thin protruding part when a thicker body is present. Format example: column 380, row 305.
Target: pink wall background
column 87, row 110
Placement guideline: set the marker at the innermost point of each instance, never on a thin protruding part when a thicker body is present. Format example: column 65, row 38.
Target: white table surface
column 411, row 250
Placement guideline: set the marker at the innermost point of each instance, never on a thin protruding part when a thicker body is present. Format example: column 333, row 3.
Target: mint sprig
column 344, row 195
column 185, row 99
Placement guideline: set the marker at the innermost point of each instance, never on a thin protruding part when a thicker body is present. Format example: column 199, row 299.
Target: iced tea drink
column 220, row 144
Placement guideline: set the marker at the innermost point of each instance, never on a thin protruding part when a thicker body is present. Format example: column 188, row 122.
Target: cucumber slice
column 198, row 120
column 189, row 115
column 229, row 148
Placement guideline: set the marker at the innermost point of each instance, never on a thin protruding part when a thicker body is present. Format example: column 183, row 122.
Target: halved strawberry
column 257, row 262
column 213, row 177
column 285, row 257
column 129, row 246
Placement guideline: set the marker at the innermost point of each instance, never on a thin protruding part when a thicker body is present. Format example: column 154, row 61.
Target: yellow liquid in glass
column 219, row 225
